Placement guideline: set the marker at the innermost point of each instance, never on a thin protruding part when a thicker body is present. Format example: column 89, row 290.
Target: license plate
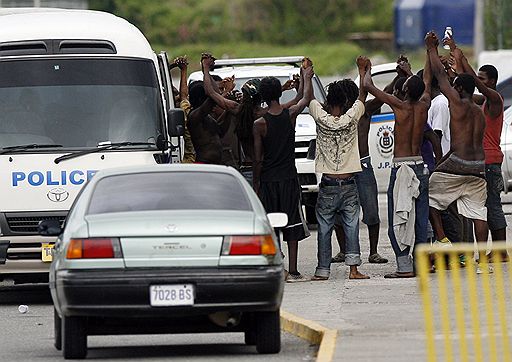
column 171, row 295
column 47, row 253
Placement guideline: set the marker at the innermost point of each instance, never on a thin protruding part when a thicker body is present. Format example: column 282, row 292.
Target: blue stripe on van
column 387, row 117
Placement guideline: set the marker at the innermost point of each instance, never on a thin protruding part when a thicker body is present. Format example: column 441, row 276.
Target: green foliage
column 498, row 24
column 328, row 58
column 175, row 22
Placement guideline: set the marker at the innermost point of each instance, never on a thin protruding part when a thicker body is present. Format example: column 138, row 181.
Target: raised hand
column 402, row 58
column 403, row 67
column 181, row 62
column 431, row 40
column 306, row 62
column 228, row 84
column 207, row 61
column 289, row 84
column 450, row 41
column 308, row 72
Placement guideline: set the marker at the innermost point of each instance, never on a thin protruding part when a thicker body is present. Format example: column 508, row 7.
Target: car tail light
column 94, row 248
column 249, row 245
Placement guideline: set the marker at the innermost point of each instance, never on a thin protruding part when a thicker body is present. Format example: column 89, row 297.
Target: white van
column 283, row 68
column 80, row 91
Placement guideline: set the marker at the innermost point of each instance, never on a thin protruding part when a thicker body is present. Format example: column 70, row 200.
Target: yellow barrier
column 472, row 311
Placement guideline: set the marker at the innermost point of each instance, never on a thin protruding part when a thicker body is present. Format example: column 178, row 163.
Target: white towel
column 405, row 192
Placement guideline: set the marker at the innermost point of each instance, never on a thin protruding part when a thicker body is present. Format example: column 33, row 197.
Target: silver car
column 166, row 249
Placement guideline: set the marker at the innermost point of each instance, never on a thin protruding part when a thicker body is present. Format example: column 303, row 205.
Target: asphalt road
column 29, row 337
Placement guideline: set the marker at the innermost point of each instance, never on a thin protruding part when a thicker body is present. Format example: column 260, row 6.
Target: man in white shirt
column 439, row 116
column 337, row 158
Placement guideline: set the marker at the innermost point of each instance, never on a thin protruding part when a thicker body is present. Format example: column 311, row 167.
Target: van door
column 165, row 75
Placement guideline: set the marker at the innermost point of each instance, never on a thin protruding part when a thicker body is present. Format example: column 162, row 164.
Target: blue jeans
column 495, row 216
column 337, row 196
column 368, row 193
column 404, row 259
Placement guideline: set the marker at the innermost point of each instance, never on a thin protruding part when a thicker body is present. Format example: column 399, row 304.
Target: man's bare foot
column 357, row 275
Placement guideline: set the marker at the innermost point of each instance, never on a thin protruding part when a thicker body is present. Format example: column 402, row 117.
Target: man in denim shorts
column 337, row 158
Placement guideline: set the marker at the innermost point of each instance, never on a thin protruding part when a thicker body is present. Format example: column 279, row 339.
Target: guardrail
column 472, row 311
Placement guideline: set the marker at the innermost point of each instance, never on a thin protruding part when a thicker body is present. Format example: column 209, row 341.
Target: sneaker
column 482, row 269
column 339, row 258
column 377, row 259
column 444, row 243
column 294, row 278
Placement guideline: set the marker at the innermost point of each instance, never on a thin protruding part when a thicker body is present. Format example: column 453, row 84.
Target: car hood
column 171, row 223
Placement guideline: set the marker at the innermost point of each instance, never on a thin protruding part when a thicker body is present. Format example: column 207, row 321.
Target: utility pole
column 479, row 36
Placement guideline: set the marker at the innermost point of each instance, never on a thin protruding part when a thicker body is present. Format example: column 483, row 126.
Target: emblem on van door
column 385, row 141
column 57, row 195
column 171, row 228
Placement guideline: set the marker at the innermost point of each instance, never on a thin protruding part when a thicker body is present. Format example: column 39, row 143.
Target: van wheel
column 311, row 215
column 57, row 330
column 74, row 337
column 268, row 332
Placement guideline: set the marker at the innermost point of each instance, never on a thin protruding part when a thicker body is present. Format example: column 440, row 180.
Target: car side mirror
column 49, row 227
column 277, row 219
column 176, row 122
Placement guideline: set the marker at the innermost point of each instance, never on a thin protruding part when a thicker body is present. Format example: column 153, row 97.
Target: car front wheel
column 57, row 330
column 268, row 332
column 74, row 337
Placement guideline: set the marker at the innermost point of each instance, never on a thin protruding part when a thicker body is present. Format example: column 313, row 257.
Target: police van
column 80, row 91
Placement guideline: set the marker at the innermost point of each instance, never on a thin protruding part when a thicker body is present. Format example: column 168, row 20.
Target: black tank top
column 278, row 148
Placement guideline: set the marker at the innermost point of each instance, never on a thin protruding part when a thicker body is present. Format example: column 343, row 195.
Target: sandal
column 339, row 258
column 318, row 278
column 377, row 259
column 397, row 275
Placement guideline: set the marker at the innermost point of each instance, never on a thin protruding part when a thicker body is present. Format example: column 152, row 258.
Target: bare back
column 467, row 122
column 410, row 119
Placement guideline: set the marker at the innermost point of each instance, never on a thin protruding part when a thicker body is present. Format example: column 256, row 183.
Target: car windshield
column 168, row 191
column 78, row 103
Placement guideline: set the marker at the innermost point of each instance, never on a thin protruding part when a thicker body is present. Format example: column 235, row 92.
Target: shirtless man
column 410, row 119
column 365, row 180
column 206, row 132
column 461, row 175
column 492, row 105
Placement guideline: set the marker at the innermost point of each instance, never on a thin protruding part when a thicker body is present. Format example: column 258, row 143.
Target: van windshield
column 78, row 103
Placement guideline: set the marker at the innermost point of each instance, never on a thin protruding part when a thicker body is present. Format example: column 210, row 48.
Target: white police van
column 80, row 91
column 283, row 68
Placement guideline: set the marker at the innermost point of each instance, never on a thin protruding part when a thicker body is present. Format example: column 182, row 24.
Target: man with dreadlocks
column 408, row 184
column 337, row 158
column 365, row 180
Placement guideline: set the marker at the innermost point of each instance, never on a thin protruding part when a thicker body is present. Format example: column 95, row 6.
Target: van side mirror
column 277, row 219
column 176, row 122
column 49, row 227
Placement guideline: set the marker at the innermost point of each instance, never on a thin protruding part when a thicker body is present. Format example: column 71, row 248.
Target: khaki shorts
column 470, row 192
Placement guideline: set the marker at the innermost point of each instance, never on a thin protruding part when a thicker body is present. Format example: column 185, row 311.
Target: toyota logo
column 171, row 228
column 57, row 195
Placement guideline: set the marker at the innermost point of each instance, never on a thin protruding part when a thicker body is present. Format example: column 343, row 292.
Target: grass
column 329, row 59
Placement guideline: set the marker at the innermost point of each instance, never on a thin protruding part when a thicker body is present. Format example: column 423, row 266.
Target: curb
column 312, row 332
